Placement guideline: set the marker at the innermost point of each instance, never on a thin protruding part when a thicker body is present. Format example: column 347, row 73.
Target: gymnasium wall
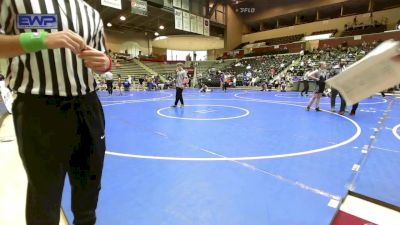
column 233, row 33
column 160, row 52
column 131, row 41
column 213, row 54
column 393, row 16
column 190, row 42
column 358, row 40
column 291, row 8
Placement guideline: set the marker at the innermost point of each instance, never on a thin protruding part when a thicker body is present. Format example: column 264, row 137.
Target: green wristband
column 32, row 42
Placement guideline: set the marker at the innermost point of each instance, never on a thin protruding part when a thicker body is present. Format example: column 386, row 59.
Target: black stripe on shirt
column 39, row 60
column 81, row 33
column 62, row 51
column 73, row 57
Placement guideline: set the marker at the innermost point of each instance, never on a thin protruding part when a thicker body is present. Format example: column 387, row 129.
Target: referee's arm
column 94, row 59
column 10, row 44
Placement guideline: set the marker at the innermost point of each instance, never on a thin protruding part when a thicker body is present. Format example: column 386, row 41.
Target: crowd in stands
column 263, row 70
column 331, row 56
column 359, row 28
column 250, row 71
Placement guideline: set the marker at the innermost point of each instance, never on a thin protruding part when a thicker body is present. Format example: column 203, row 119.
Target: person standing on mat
column 335, row 71
column 119, row 84
column 108, row 76
column 58, row 119
column 180, row 82
column 305, row 82
column 225, row 81
column 318, row 75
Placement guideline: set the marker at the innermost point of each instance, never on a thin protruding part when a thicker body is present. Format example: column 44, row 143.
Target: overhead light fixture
column 109, row 25
column 160, row 38
column 123, row 18
column 156, row 34
column 161, row 27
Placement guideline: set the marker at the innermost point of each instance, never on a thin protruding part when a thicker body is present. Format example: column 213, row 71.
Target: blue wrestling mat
column 242, row 158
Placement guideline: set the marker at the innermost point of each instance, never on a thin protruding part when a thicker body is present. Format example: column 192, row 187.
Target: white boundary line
column 137, row 100
column 355, row 136
column 288, row 96
column 394, row 131
column 247, row 112
column 237, row 95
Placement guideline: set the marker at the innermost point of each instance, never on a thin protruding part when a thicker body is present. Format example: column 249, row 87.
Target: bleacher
column 161, row 68
column 333, row 31
column 204, row 66
column 363, row 29
column 126, row 69
column 261, row 67
column 282, row 40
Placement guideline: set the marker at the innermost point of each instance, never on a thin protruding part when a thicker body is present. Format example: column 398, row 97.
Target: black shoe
column 308, row 108
column 173, row 106
column 352, row 114
column 317, row 109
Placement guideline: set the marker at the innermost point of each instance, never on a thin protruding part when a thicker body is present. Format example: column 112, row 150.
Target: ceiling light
column 160, row 38
column 162, row 27
column 156, row 33
column 109, row 25
column 123, row 18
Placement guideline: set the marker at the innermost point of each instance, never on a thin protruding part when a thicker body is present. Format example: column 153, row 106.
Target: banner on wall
column 185, row 5
column 206, row 27
column 193, row 23
column 177, row 3
column 139, row 7
column 200, row 25
column 168, row 3
column 178, row 19
column 186, row 21
column 112, row 3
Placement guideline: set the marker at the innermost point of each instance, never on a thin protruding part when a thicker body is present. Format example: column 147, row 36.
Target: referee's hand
column 65, row 39
column 95, row 59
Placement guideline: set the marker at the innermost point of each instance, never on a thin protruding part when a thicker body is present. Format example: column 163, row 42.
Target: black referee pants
column 334, row 94
column 109, row 86
column 56, row 136
column 305, row 88
column 178, row 96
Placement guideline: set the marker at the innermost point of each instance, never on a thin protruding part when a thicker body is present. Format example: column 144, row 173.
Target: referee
column 53, row 46
column 108, row 76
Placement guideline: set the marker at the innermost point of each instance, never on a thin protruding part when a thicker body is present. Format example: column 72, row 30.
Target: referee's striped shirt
column 57, row 72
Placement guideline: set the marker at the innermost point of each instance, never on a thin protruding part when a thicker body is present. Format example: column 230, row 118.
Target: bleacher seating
column 161, row 68
column 282, row 40
column 360, row 30
column 333, row 31
column 261, row 68
column 126, row 69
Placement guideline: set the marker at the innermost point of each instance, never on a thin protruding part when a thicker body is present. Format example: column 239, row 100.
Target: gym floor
column 242, row 157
